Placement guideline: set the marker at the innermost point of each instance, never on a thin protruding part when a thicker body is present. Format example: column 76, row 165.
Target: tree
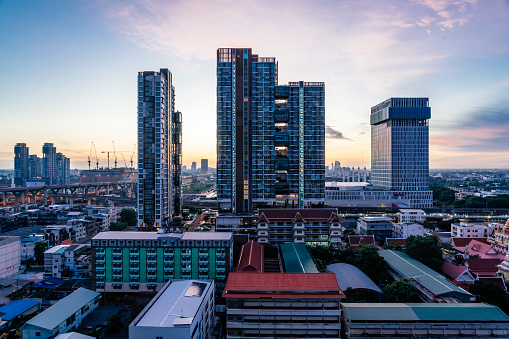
column 426, row 250
column 118, row 226
column 367, row 259
column 400, row 291
column 39, row 250
column 489, row 293
column 129, row 216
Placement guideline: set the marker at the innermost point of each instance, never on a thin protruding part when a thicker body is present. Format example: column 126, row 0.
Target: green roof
column 297, row 258
column 398, row 312
column 410, row 268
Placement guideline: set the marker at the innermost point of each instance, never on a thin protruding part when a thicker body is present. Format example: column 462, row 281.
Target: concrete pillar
column 67, row 199
column 45, row 199
column 4, row 203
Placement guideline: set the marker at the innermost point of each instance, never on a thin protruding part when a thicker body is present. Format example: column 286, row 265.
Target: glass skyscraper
column 21, row 164
column 159, row 150
column 400, row 148
column 270, row 138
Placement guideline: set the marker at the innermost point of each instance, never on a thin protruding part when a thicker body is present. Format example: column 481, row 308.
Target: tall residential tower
column 400, row 148
column 159, row 150
column 270, row 138
column 21, row 164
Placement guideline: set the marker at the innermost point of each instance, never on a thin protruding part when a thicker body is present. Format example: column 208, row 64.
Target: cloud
column 447, row 13
column 331, row 133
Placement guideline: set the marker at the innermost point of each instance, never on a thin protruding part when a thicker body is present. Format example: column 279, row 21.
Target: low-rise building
column 472, row 230
column 426, row 320
column 144, row 261
column 379, row 227
column 286, row 305
column 361, row 240
column 404, row 230
column 182, row 309
column 65, row 315
column 10, row 259
column 17, row 309
column 54, row 261
column 411, row 215
column 27, row 245
column 317, row 226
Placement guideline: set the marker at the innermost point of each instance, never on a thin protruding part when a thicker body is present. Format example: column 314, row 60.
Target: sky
column 68, row 70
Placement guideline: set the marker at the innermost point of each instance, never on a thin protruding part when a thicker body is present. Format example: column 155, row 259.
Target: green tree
column 400, row 291
column 426, row 250
column 367, row 259
column 118, row 226
column 39, row 250
column 129, row 216
column 489, row 293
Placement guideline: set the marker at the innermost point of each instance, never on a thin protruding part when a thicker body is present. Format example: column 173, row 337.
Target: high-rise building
column 62, row 169
column 193, row 167
column 400, row 148
column 204, row 165
column 21, row 164
column 35, row 167
column 270, row 138
column 49, row 163
column 159, row 149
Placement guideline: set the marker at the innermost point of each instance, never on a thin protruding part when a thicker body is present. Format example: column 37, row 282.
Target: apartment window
column 38, row 334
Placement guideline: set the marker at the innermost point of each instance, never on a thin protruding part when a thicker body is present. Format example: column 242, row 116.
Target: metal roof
column 297, row 258
column 73, row 335
column 410, row 268
column 63, row 309
column 57, row 249
column 8, row 240
column 350, row 276
column 15, row 308
column 115, row 235
column 282, row 285
column 176, row 304
column 425, row 312
column 207, row 236
column 251, row 258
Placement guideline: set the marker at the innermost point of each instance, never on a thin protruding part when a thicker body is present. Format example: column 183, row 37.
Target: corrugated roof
column 425, row 312
column 308, row 214
column 350, row 276
column 251, row 258
column 207, row 236
column 56, row 249
column 63, row 309
column 297, row 259
column 174, row 305
column 15, row 308
column 126, row 236
column 73, row 335
column 289, row 285
column 410, row 268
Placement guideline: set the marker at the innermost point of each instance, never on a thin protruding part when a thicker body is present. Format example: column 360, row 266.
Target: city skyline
column 456, row 53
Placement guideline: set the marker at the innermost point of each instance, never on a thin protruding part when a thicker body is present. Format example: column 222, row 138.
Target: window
column 38, row 334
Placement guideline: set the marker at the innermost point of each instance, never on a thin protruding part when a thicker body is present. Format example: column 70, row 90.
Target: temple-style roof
column 292, row 215
column 358, row 240
column 251, row 258
column 483, row 267
column 483, row 250
column 461, row 243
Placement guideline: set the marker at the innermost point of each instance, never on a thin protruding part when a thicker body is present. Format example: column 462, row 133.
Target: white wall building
column 411, row 215
column 182, row 309
column 404, row 230
column 472, row 230
column 28, row 245
column 54, row 261
column 64, row 316
column 9, row 256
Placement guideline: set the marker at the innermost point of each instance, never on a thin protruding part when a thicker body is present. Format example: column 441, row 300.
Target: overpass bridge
column 29, row 195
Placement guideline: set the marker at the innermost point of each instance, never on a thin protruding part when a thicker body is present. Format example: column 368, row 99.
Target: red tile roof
column 395, row 241
column 483, row 267
column 485, row 251
column 452, row 270
column 357, row 240
column 66, row 242
column 460, row 243
column 251, row 258
column 307, row 214
column 282, row 285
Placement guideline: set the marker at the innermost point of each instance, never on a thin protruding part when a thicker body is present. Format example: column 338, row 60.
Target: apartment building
column 472, row 230
column 145, row 261
column 379, row 227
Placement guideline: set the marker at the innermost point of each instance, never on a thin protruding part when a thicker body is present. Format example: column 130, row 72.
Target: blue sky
column 68, row 69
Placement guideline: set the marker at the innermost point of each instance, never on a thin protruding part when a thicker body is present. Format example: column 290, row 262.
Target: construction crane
column 114, row 154
column 132, row 155
column 125, row 164
column 90, row 155
column 96, row 158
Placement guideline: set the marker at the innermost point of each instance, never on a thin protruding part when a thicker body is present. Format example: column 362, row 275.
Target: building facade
column 379, row 227
column 404, row 230
column 145, row 261
column 270, row 138
column 283, row 305
column 183, row 309
column 472, row 230
column 304, row 226
column 204, row 166
column 9, row 256
column 21, row 164
column 158, row 151
column 406, row 215
column 400, row 148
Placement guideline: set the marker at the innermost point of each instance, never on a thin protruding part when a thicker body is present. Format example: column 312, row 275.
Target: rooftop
column 56, row 249
column 176, row 304
column 425, row 312
column 15, row 308
column 412, row 269
column 297, row 258
column 372, row 219
column 154, row 235
column 350, row 276
column 358, row 240
column 282, row 285
column 8, row 240
column 251, row 258
column 207, row 236
column 63, row 309
column 307, row 214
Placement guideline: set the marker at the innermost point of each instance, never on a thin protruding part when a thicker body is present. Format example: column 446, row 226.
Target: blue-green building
column 145, row 261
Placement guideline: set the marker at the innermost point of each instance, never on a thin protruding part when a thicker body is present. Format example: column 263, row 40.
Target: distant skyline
column 68, row 70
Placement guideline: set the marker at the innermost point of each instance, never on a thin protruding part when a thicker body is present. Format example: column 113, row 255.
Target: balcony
column 281, row 92
column 281, row 139
column 282, row 164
